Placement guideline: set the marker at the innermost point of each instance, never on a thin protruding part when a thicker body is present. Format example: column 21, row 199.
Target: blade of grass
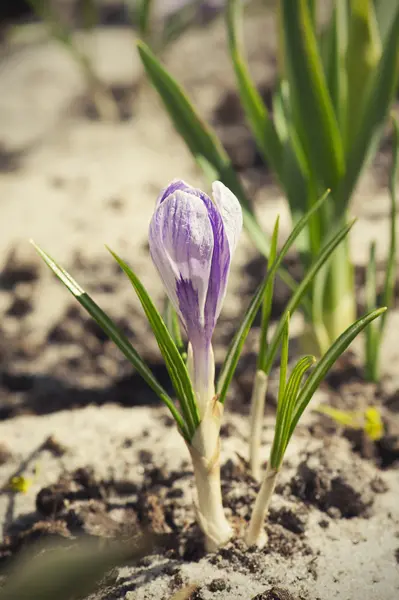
column 112, row 331
column 172, row 323
column 267, row 302
column 203, row 144
column 282, row 380
column 385, row 13
column 373, row 337
column 390, row 276
column 362, row 56
column 283, row 366
column 283, row 420
column 327, row 361
column 334, row 43
column 311, row 103
column 234, row 350
column 144, row 13
column 374, row 110
column 259, row 120
column 307, row 280
column 174, row 362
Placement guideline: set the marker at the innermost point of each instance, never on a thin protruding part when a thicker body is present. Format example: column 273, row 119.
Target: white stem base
column 205, row 455
column 256, row 535
column 256, row 423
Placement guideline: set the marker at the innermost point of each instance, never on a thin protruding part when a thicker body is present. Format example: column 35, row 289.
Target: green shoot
column 374, row 333
column 116, row 336
column 292, row 402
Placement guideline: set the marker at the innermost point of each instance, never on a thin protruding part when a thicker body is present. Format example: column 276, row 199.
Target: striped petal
column 181, row 245
column 230, row 210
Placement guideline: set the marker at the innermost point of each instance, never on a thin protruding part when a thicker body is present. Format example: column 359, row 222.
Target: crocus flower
column 192, row 240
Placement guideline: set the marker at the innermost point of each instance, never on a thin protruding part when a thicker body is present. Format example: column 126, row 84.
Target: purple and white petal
column 176, row 184
column 181, row 245
column 230, row 209
column 219, row 270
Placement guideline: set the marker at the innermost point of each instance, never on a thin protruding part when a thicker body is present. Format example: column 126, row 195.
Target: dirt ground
column 104, row 457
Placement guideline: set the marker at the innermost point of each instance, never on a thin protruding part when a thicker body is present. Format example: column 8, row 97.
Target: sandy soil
column 73, row 184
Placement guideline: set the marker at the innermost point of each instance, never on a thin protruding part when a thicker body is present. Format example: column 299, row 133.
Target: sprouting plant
column 269, row 344
column 335, row 86
column 292, row 401
column 60, row 31
column 374, row 333
column 192, row 239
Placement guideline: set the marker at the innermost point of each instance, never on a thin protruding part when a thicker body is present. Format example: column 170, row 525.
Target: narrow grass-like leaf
column 307, row 280
column 267, row 302
column 283, row 365
column 375, row 331
column 234, row 350
column 373, row 335
column 172, row 323
column 113, row 332
column 200, row 139
column 174, row 362
column 144, row 11
column 204, row 145
column 362, row 56
column 390, row 275
column 374, row 109
column 327, row 361
column 312, row 107
column 282, row 385
column 281, row 436
column 385, row 13
column 259, row 120
column 333, row 49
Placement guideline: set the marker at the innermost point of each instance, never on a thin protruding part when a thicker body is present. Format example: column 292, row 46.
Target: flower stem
column 256, row 422
column 205, row 455
column 256, row 535
column 201, row 368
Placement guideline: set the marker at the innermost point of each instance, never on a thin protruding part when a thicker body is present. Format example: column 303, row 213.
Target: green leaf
column 200, row 139
column 362, row 56
column 374, row 111
column 334, row 42
column 283, row 364
column 313, row 111
column 112, row 331
column 284, row 414
column 267, row 302
column 259, row 120
column 235, row 348
column 327, row 361
column 390, row 275
column 144, row 11
column 204, row 145
column 172, row 323
column 174, row 362
column 385, row 14
column 373, row 337
column 296, row 298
